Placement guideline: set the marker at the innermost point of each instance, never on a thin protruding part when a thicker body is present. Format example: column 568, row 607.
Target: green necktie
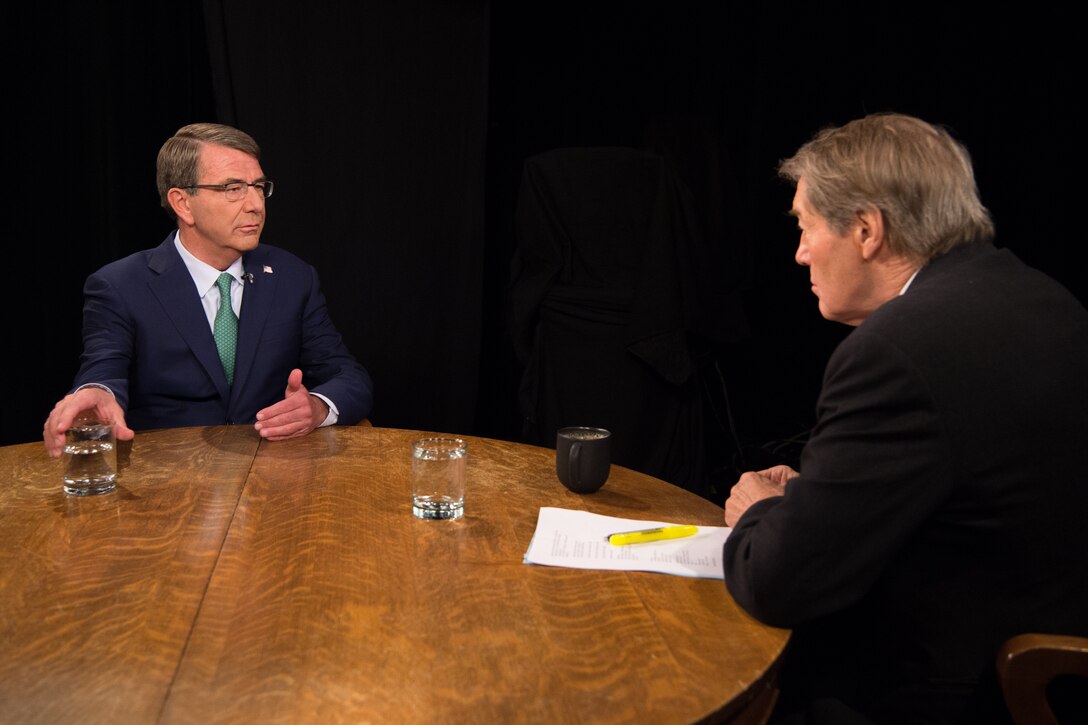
column 226, row 327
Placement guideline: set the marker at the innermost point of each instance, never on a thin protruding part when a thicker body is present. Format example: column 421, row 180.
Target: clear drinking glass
column 438, row 478
column 90, row 457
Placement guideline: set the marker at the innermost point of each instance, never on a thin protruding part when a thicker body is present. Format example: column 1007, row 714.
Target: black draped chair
column 607, row 310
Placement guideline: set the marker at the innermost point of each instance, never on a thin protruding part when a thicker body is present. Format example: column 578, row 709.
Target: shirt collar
column 909, row 281
column 204, row 275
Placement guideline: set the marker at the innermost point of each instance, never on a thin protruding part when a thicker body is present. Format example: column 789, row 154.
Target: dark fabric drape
column 94, row 89
column 372, row 121
column 606, row 309
column 372, row 116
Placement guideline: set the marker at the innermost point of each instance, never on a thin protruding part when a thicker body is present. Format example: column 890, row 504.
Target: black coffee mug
column 583, row 457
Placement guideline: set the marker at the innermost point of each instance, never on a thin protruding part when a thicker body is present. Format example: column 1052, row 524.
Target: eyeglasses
column 236, row 190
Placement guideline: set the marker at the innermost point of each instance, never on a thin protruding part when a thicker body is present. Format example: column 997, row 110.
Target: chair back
column 1028, row 663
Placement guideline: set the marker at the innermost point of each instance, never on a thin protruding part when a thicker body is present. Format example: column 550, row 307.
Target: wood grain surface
column 98, row 594
column 331, row 603
column 231, row 580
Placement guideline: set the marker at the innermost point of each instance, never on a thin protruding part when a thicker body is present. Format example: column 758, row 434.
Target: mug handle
column 572, row 463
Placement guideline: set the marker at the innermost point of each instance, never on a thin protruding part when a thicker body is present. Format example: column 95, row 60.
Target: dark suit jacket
column 146, row 337
column 941, row 503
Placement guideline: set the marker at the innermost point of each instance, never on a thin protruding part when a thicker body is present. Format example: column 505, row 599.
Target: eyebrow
column 258, row 180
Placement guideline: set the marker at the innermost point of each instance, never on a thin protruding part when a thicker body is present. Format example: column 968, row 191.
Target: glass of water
column 90, row 457
column 438, row 478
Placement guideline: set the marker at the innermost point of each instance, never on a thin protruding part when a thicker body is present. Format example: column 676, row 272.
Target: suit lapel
column 173, row 286
column 256, row 304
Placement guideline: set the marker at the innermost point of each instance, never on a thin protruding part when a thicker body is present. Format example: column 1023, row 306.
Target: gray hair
column 179, row 157
column 916, row 174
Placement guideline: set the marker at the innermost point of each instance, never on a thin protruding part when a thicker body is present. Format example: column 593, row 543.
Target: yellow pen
column 659, row 534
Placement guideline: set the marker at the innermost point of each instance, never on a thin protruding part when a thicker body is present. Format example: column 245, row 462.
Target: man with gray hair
column 940, row 503
column 209, row 328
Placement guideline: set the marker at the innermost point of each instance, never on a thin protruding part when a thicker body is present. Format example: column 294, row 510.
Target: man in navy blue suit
column 151, row 358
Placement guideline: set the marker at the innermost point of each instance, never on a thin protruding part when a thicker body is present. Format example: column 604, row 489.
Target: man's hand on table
column 756, row 486
column 92, row 400
column 294, row 416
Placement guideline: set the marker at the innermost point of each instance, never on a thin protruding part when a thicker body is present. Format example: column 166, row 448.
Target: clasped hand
column 755, row 486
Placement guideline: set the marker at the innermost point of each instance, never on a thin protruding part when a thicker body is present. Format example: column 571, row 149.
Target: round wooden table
column 233, row 580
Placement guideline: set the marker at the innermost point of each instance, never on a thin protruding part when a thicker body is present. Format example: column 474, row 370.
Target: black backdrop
column 396, row 132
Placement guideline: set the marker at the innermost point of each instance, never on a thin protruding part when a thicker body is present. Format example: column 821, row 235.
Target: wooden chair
column 1027, row 663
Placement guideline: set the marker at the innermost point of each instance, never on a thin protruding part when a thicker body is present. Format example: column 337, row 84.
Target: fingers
column 743, row 494
column 732, row 512
column 280, row 421
column 749, row 489
column 294, row 423
column 763, row 485
column 121, row 430
column 92, row 400
column 294, row 416
column 53, row 434
column 779, row 474
column 60, row 420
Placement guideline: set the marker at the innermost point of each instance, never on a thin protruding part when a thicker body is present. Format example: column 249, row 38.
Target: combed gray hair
column 179, row 157
column 916, row 174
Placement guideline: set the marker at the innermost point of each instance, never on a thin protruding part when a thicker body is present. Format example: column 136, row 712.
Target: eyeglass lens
column 234, row 192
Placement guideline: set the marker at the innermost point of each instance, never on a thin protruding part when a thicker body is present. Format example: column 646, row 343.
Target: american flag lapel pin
column 267, row 269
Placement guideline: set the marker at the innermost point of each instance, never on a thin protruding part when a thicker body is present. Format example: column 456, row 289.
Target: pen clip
column 654, row 530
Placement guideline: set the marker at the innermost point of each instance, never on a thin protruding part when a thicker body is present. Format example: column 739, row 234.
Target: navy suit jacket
column 146, row 337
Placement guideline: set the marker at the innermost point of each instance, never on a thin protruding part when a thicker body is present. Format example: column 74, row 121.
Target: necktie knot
column 225, row 328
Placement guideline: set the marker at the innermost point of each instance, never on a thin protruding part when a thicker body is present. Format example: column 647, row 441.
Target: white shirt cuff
column 95, row 385
column 334, row 414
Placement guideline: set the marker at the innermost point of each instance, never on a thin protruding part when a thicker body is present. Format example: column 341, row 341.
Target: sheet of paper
column 576, row 539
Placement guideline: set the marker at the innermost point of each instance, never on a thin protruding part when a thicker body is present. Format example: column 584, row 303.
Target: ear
column 179, row 201
column 870, row 231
